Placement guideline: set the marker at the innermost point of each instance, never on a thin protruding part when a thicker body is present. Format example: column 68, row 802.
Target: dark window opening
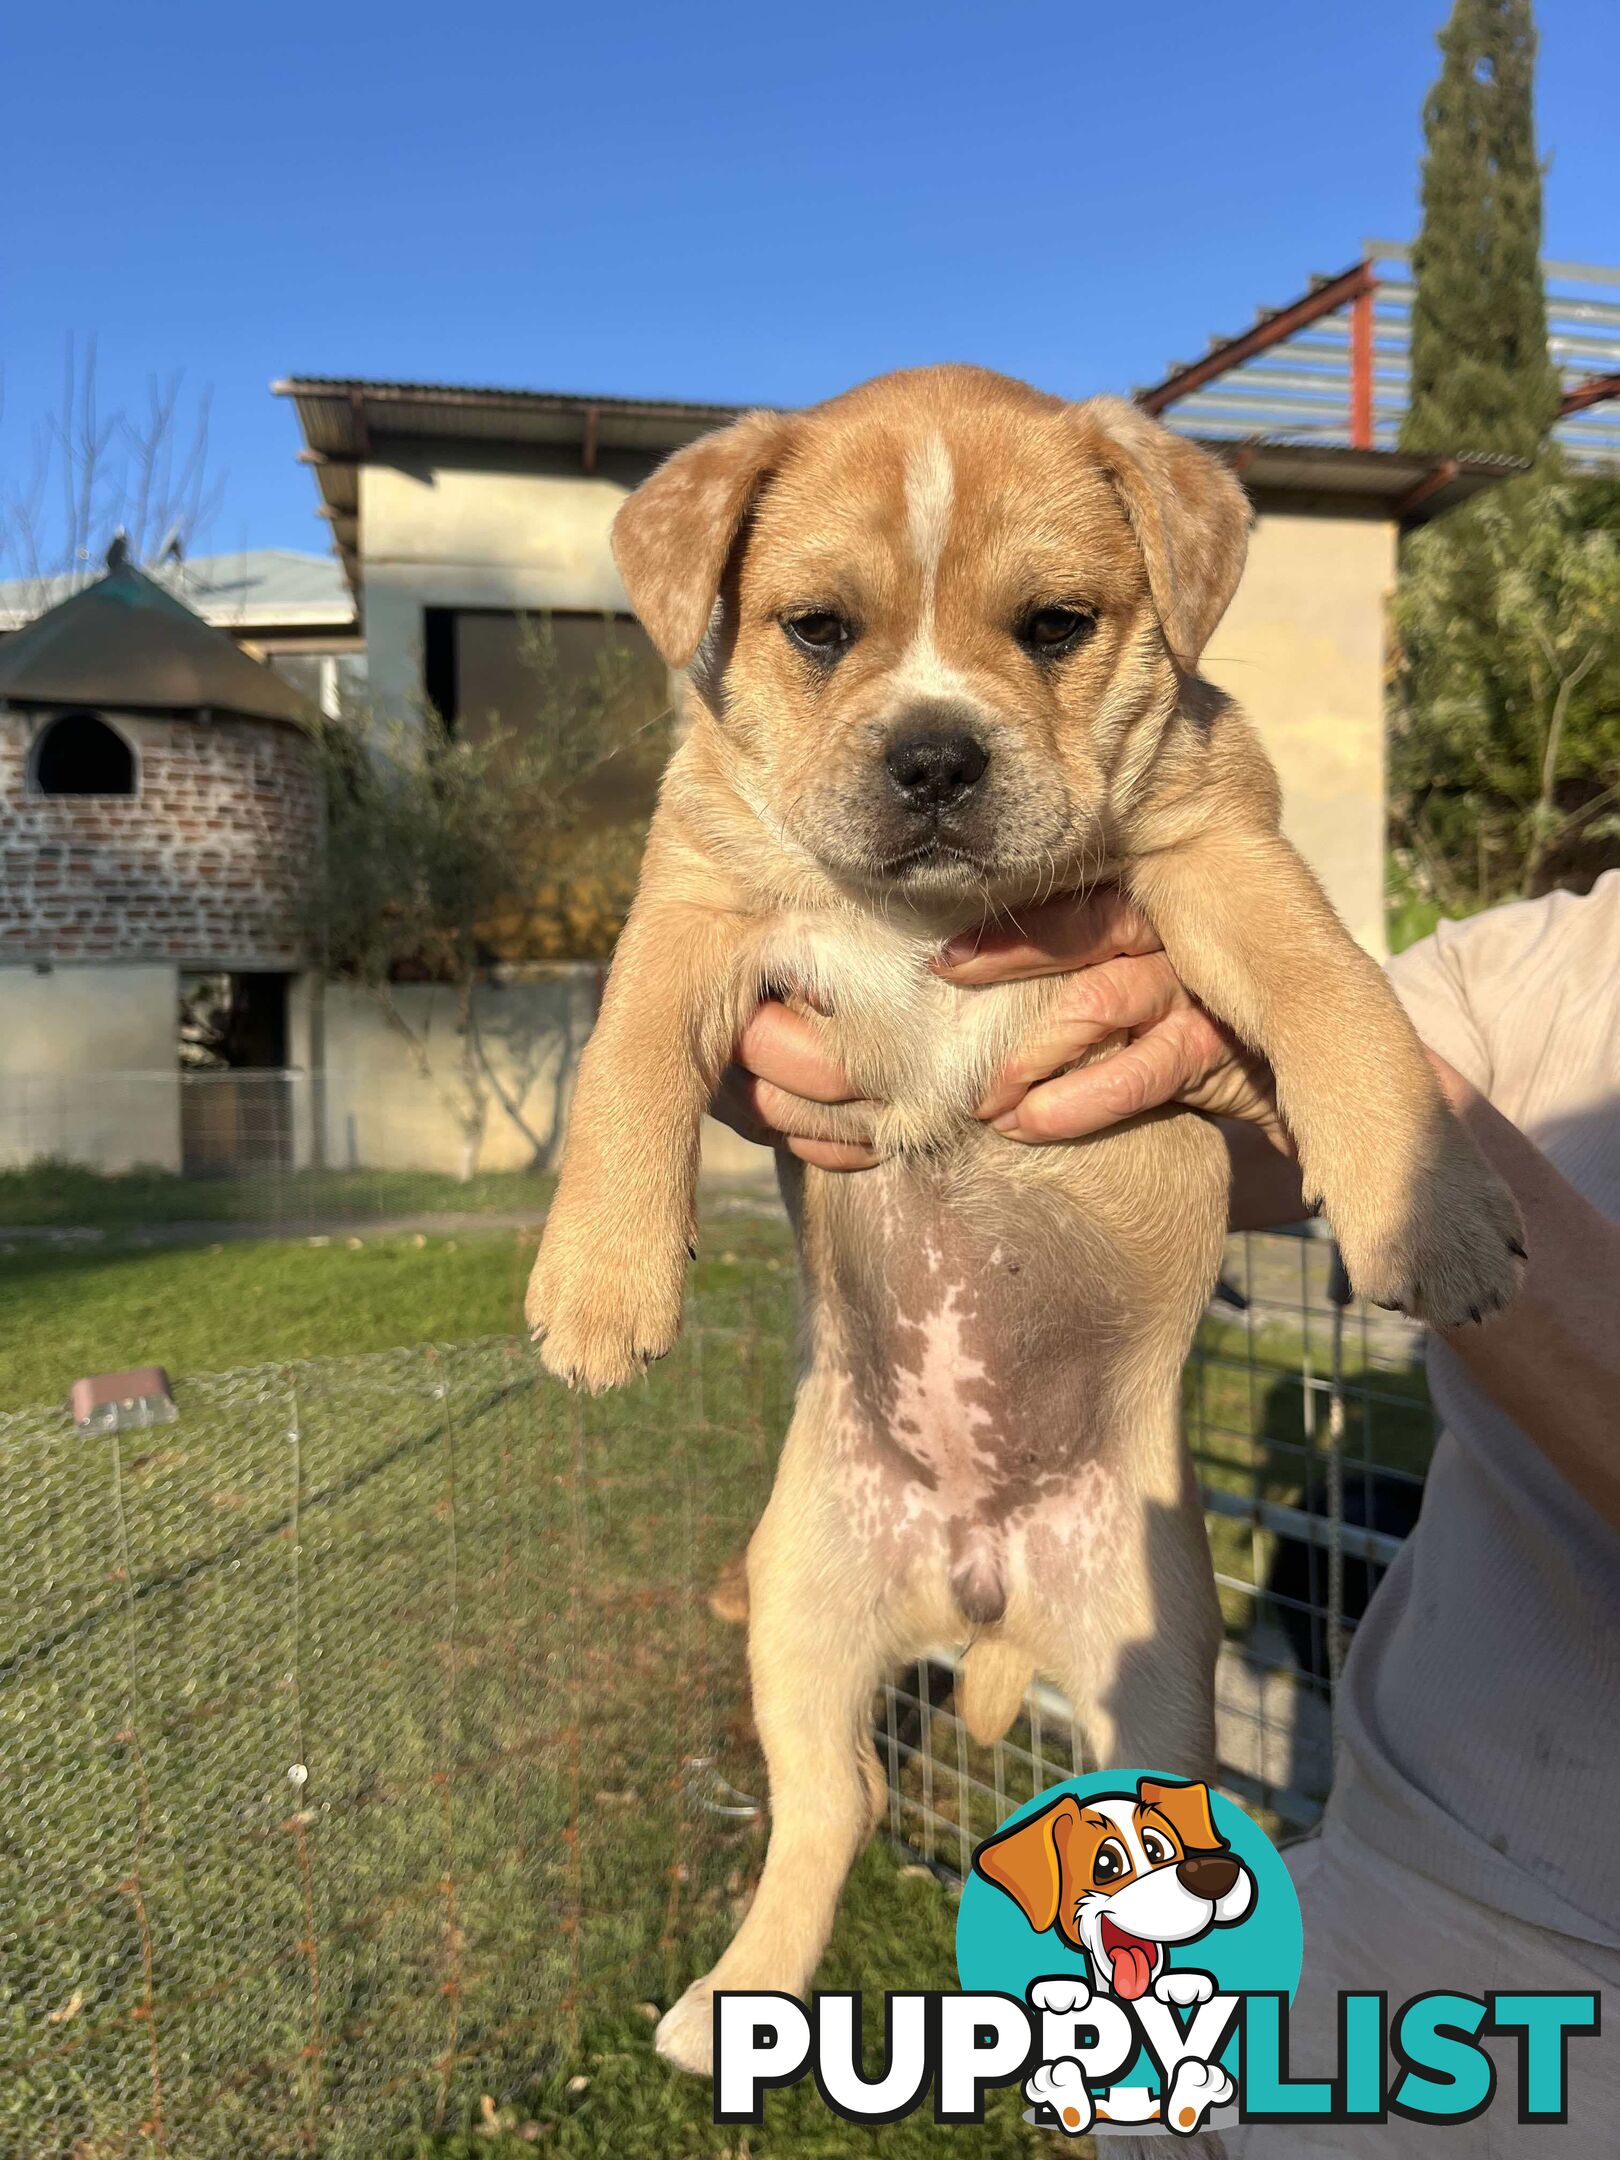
column 491, row 670
column 439, row 663
column 80, row 754
column 233, row 1023
column 236, row 1106
column 572, row 702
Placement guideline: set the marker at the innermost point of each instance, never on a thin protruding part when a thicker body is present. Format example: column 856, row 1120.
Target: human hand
column 777, row 1085
column 1117, row 980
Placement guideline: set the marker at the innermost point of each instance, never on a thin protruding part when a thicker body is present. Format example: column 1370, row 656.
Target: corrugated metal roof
column 1412, row 486
column 125, row 644
column 1300, row 387
column 252, row 589
column 346, row 421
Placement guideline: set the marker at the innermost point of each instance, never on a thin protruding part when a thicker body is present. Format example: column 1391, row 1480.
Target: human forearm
column 1552, row 1359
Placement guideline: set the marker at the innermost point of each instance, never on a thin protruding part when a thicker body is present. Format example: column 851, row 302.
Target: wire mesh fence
column 364, row 1727
column 155, row 1154
column 337, row 1719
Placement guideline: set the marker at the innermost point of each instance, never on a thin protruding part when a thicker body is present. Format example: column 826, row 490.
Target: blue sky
column 717, row 202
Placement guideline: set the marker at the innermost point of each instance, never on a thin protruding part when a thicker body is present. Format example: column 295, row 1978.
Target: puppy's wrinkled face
column 942, row 631
column 939, row 620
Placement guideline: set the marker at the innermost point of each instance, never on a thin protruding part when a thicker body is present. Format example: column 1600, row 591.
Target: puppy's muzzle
column 1207, row 1875
column 935, row 771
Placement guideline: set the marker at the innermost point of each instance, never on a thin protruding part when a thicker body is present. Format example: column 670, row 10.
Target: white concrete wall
column 306, row 1021
column 87, row 1065
column 88, row 1072
column 1303, row 650
column 383, row 1111
column 389, row 1107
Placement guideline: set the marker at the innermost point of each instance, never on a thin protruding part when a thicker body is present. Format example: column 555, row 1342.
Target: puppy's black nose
column 1207, row 1875
column 934, row 771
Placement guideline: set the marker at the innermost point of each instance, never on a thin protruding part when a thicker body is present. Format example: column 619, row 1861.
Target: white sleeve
column 1430, row 982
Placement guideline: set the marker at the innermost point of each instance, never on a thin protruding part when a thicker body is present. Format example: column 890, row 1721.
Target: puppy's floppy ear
column 672, row 537
column 1027, row 1861
column 1188, row 1809
column 1190, row 517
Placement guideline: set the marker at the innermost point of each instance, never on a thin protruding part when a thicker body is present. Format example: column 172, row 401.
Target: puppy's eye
column 1111, row 1862
column 818, row 631
column 1050, row 632
column 1158, row 1848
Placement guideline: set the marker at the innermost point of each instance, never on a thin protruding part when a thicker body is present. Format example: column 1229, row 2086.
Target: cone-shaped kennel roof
column 126, row 644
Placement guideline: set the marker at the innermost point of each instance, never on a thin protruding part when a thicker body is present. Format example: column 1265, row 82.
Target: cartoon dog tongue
column 1132, row 1960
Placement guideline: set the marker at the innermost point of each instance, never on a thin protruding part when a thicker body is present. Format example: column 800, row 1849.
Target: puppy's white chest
column 906, row 1038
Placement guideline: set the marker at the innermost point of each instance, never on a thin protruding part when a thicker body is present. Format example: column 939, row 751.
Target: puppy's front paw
column 1449, row 1249
column 601, row 1321
column 685, row 2034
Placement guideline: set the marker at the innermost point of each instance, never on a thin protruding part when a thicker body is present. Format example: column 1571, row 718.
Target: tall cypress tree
column 1481, row 378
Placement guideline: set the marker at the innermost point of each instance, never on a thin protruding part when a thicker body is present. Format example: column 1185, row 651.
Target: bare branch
column 92, row 473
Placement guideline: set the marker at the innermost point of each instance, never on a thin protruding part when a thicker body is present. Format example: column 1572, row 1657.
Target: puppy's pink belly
column 966, row 1453
column 971, row 1407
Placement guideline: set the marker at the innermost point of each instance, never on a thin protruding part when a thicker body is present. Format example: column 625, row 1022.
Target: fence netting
column 164, row 1154
column 366, row 1726
column 336, row 1719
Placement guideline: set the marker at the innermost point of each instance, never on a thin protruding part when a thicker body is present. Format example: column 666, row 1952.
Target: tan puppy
column 942, row 634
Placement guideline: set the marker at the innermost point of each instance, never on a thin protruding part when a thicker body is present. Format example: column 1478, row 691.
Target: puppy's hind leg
column 816, row 1657
column 1142, row 1705
column 1133, row 1645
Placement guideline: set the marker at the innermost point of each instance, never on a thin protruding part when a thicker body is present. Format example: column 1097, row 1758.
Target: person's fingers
column 756, row 1111
column 1158, row 1067
column 833, row 1154
column 731, row 1107
column 1094, row 1003
column 793, row 1117
column 1066, row 933
column 786, row 1049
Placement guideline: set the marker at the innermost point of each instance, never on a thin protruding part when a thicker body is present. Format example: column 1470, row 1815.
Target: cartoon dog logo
column 1122, row 1877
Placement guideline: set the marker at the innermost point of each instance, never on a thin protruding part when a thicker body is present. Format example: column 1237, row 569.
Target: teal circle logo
column 1142, row 1888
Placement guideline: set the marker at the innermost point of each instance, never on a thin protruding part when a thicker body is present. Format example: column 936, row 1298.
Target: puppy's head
column 1121, row 1875
column 940, row 619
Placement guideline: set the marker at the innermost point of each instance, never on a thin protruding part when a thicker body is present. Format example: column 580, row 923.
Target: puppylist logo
column 1134, row 1914
column 1128, row 1945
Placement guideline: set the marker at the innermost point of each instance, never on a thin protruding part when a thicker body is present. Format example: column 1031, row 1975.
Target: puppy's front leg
column 605, row 1296
column 1423, row 1222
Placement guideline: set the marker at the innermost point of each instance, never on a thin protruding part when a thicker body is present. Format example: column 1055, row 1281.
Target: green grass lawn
column 65, row 1195
column 202, row 1308
column 76, row 1309
column 475, row 1607
column 896, row 1931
